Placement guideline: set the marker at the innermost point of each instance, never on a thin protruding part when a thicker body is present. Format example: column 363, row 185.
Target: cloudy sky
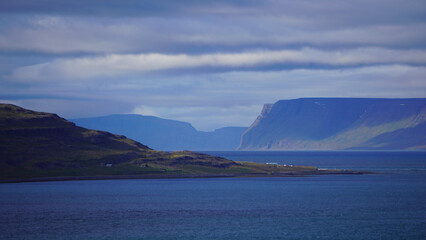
column 212, row 63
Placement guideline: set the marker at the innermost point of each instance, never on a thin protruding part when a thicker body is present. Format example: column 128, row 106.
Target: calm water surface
column 390, row 205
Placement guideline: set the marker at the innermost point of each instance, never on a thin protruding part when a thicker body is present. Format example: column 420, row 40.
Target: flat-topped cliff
column 339, row 123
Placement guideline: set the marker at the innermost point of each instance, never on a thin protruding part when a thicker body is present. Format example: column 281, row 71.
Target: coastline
column 176, row 176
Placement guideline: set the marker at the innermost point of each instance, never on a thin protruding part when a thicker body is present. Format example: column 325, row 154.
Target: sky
column 210, row 63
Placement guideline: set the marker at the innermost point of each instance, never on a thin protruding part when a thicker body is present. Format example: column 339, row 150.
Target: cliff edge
column 338, row 123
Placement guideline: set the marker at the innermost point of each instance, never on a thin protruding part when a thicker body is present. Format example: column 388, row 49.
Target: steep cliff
column 338, row 123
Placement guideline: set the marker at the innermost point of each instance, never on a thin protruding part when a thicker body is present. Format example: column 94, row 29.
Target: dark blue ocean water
column 390, row 205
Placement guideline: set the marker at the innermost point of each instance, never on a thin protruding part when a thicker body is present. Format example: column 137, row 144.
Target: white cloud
column 129, row 64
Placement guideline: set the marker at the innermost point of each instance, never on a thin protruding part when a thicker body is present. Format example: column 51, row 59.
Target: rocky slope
column 339, row 123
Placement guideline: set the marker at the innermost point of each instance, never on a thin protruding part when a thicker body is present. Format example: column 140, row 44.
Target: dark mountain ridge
column 337, row 123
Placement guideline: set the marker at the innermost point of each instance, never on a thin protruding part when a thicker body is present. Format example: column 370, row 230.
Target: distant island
column 36, row 146
column 339, row 124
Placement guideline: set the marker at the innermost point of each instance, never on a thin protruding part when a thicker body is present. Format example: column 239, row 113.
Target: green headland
column 36, row 146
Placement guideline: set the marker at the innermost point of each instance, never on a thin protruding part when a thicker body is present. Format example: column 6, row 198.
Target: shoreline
column 177, row 176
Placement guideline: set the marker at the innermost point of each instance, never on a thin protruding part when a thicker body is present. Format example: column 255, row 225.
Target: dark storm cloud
column 173, row 26
column 329, row 13
column 123, row 8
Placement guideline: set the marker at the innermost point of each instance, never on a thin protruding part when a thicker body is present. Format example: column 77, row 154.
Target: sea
column 390, row 204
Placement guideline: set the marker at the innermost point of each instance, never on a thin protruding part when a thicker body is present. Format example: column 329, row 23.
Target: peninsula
column 37, row 146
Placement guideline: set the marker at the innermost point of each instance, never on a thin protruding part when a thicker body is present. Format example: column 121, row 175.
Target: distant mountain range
column 165, row 134
column 44, row 145
column 339, row 123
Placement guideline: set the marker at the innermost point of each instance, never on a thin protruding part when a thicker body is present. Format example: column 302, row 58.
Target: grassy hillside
column 35, row 144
